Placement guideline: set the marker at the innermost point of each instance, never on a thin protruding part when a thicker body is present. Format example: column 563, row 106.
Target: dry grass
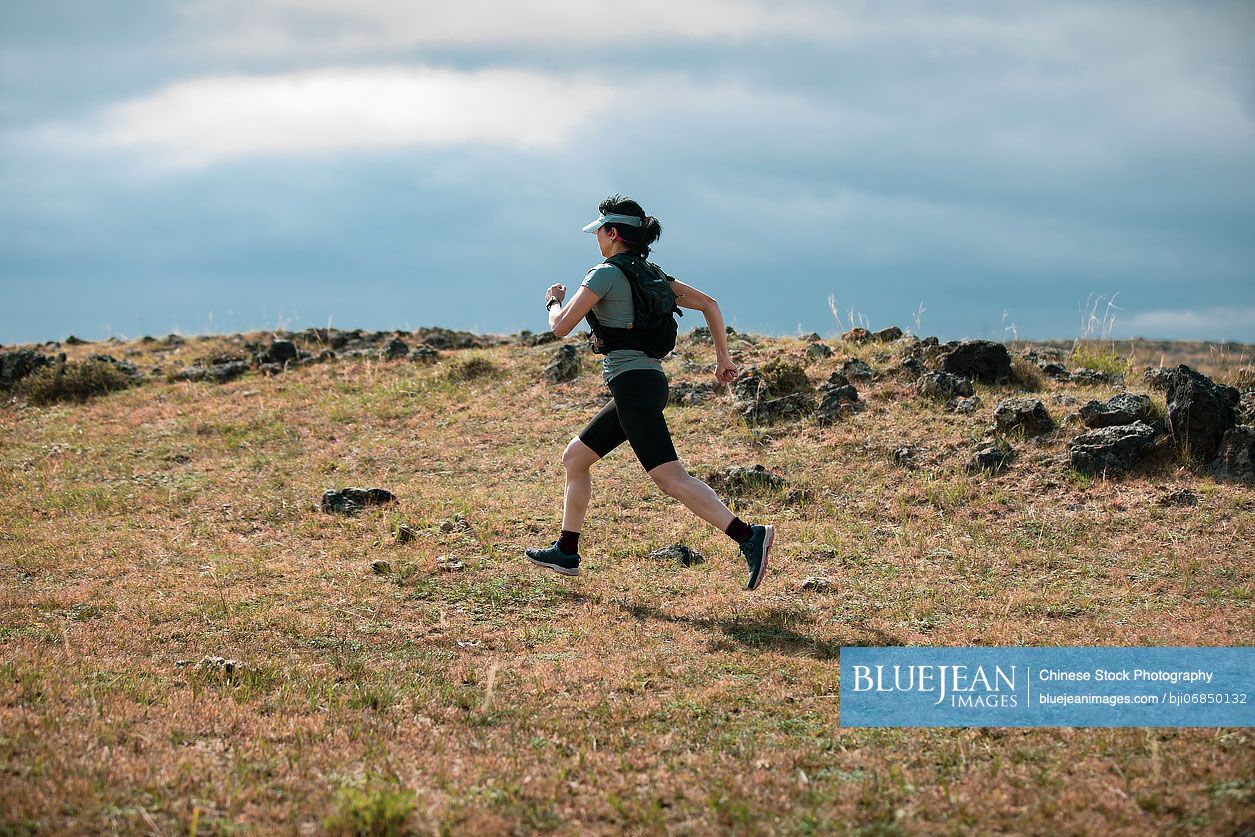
column 174, row 521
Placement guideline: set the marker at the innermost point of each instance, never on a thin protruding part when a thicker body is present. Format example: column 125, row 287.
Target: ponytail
column 637, row 238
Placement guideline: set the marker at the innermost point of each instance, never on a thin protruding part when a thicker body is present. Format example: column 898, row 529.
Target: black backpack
column 653, row 327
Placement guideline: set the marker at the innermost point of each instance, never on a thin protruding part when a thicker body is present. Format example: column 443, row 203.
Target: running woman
column 639, row 391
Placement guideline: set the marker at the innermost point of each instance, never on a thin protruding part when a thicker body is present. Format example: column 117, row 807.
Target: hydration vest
column 653, row 328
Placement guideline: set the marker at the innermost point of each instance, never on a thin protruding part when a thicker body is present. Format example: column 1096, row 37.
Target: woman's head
column 637, row 239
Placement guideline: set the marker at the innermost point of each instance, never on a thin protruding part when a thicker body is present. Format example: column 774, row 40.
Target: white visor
column 612, row 218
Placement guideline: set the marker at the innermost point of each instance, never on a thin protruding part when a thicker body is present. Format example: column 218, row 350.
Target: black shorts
column 634, row 414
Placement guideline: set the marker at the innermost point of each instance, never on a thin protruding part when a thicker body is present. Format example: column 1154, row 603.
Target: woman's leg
column 675, row 480
column 577, row 459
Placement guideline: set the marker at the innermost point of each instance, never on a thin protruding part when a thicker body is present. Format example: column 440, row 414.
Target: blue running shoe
column 755, row 551
column 554, row 559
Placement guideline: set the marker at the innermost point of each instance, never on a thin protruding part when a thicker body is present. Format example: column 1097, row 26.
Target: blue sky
column 994, row 169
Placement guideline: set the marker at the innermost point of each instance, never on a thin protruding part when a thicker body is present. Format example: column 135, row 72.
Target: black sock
column 739, row 530
column 569, row 542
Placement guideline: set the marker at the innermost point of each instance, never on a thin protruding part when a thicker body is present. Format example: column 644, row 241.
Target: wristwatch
column 551, row 301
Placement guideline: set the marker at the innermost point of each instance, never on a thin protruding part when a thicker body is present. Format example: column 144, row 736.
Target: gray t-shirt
column 615, row 308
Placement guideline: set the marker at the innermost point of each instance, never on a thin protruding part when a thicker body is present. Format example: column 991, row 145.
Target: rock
column 1055, row 370
column 835, row 381
column 218, row 373
column 564, row 365
column 1123, row 408
column 691, row 395
column 1157, row 377
column 1235, row 461
column 449, row 564
column 1025, row 414
column 739, row 480
column 678, row 553
column 127, row 368
column 1044, row 354
column 1200, row 411
column 911, row 367
column 14, row 366
column 1096, row 376
column 814, row 582
column 526, row 338
column 905, row 456
column 395, row 349
column 280, row 351
column 818, row 350
column 405, row 534
column 857, row 335
column 1179, row 497
column 991, row 459
column 455, row 523
column 380, row 567
column 857, row 369
column 424, row 354
column 888, row 335
column 782, row 377
column 443, row 338
column 787, row 408
column 838, row 403
column 1110, row 450
column 75, row 341
column 943, row 386
column 963, row 405
column 981, row 360
column 351, row 501
column 1062, row 398
column 1246, row 407
column 325, row 355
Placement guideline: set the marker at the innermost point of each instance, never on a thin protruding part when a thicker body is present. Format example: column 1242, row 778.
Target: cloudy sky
column 987, row 169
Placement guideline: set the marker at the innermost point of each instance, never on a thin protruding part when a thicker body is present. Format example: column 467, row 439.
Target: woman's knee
column 670, row 478
column 578, row 457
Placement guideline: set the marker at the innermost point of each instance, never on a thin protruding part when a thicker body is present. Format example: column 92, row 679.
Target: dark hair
column 638, row 238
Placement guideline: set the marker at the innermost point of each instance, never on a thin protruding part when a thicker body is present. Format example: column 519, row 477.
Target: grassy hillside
column 148, row 529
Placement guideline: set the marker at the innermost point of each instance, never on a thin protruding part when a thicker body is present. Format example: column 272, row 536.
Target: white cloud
column 1221, row 323
column 346, row 25
column 209, row 119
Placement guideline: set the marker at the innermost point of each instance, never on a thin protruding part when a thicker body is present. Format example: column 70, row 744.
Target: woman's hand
column 558, row 292
column 726, row 371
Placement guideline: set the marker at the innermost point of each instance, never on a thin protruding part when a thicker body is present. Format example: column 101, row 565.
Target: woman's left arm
column 687, row 296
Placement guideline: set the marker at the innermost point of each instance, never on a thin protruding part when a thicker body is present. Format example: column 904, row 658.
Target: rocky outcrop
column 351, row 501
column 1110, row 450
column 943, row 386
column 564, row 365
column 1235, row 460
column 1124, row 408
column 14, row 366
column 1200, row 411
column 1027, row 415
column 980, row 360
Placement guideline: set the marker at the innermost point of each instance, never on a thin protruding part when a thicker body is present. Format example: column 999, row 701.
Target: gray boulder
column 1157, row 377
column 1110, row 450
column 818, row 350
column 564, row 365
column 943, row 386
column 857, row 369
column 888, row 335
column 279, row 351
column 789, row 407
column 1199, row 412
column 963, row 406
column 740, row 480
column 1123, row 408
column 981, row 360
column 691, row 395
column 218, row 373
column 991, row 459
column 1235, row 461
column 395, row 349
column 14, row 366
column 351, row 501
column 1025, row 414
column 838, row 403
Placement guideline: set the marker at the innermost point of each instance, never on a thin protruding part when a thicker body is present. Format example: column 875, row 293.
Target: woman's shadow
column 772, row 629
